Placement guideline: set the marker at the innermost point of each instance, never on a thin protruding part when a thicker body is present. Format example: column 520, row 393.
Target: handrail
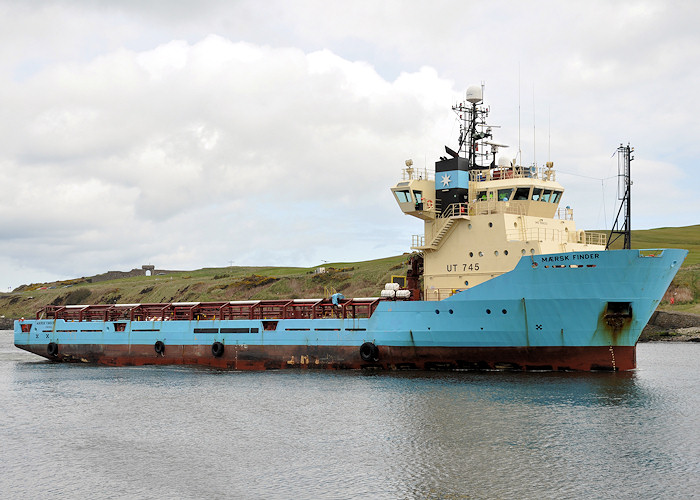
column 555, row 235
column 512, row 172
column 417, row 241
column 215, row 311
column 480, row 208
column 412, row 174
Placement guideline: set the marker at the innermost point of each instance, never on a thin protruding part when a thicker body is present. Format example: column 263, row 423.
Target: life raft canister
column 369, row 352
column 217, row 349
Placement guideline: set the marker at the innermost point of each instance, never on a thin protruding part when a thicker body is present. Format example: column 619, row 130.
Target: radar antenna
column 473, row 128
column 624, row 183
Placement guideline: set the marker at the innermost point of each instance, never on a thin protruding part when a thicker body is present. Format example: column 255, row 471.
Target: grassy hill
column 685, row 288
column 354, row 279
column 358, row 279
column 687, row 237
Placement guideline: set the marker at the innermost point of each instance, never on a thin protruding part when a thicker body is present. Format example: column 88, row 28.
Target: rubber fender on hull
column 217, row 349
column 369, row 352
column 159, row 346
column 52, row 349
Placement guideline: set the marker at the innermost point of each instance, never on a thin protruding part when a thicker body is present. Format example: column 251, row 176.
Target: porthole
column 451, row 311
column 481, row 254
column 466, row 283
column 490, row 224
column 469, row 226
column 522, row 251
column 471, row 254
column 504, row 311
column 437, row 311
column 532, row 251
column 488, row 311
column 505, row 252
column 515, row 224
column 495, row 252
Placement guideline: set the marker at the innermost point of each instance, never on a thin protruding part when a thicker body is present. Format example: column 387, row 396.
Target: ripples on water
column 172, row 432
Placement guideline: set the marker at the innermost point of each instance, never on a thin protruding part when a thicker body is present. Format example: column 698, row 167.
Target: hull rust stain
column 251, row 357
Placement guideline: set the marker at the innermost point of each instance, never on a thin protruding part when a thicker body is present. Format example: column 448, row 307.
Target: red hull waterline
column 252, row 357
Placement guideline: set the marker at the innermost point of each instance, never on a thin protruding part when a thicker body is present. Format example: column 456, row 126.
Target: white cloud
column 189, row 135
column 193, row 153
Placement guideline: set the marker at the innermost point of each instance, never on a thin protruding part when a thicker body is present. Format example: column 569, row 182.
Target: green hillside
column 354, row 279
column 687, row 237
column 685, row 289
column 358, row 279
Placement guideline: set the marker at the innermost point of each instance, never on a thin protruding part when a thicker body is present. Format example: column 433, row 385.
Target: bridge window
column 402, row 196
column 555, row 197
column 546, row 195
column 504, row 194
column 481, row 196
column 522, row 194
column 536, row 194
column 419, row 196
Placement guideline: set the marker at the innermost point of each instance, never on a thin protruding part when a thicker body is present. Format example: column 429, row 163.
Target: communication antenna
column 624, row 194
column 520, row 153
column 534, row 131
column 549, row 135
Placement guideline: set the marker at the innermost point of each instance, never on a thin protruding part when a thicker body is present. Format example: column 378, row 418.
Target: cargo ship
column 500, row 279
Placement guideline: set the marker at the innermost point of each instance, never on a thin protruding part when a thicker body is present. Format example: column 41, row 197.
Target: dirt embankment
column 6, row 324
column 672, row 326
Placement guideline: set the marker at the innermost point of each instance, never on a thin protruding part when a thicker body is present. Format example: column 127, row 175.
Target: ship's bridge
column 507, row 188
column 525, row 190
column 415, row 193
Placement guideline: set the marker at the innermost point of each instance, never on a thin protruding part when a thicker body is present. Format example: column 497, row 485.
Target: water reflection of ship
column 486, row 435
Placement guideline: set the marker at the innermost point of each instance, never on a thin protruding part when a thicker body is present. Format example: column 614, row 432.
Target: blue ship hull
column 567, row 311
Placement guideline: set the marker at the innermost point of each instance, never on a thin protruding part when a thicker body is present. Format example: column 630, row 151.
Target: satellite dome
column 503, row 162
column 474, row 94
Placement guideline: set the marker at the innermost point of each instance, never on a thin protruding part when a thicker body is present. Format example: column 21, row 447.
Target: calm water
column 157, row 432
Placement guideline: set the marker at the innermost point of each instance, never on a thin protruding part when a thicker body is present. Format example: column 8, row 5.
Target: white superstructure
column 480, row 216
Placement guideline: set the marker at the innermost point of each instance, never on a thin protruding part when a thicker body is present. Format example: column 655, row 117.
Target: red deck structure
column 188, row 311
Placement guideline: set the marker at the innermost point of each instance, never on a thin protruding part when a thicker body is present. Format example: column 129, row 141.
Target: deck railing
column 517, row 172
column 555, row 235
column 195, row 311
column 414, row 173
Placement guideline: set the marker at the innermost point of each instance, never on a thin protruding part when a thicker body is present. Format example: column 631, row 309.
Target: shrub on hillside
column 77, row 296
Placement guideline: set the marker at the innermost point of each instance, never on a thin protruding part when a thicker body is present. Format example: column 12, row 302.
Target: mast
column 473, row 128
column 624, row 184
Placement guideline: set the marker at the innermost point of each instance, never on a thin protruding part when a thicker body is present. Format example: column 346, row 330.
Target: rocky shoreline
column 663, row 326
column 667, row 326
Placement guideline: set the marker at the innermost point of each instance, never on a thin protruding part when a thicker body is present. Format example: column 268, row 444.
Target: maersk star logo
column 446, row 180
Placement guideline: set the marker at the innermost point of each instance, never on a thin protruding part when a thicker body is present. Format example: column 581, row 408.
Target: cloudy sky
column 195, row 134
